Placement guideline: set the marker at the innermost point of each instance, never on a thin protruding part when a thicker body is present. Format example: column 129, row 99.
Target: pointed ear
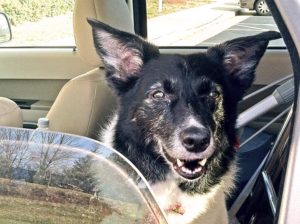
column 241, row 56
column 123, row 54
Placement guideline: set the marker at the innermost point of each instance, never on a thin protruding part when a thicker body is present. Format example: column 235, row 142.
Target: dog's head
column 186, row 105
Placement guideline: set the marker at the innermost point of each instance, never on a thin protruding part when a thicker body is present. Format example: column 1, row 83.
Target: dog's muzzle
column 190, row 160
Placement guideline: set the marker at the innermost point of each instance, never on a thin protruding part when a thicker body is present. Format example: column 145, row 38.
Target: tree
column 81, row 175
column 51, row 154
column 14, row 151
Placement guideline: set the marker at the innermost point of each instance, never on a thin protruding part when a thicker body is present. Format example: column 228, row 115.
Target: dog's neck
column 182, row 207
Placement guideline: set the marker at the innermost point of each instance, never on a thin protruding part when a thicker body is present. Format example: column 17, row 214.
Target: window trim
column 140, row 17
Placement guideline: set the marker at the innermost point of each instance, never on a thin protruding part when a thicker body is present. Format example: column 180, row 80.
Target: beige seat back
column 85, row 102
column 10, row 113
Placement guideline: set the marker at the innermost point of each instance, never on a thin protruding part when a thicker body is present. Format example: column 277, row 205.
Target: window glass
column 39, row 23
column 49, row 177
column 206, row 22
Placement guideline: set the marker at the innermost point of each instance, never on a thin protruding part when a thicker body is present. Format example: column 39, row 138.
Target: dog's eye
column 158, row 95
column 214, row 94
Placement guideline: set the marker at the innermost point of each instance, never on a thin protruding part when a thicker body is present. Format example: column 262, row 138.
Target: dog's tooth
column 198, row 170
column 202, row 162
column 186, row 170
column 179, row 163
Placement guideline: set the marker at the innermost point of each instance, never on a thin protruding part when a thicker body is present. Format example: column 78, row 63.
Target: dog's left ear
column 241, row 56
column 122, row 53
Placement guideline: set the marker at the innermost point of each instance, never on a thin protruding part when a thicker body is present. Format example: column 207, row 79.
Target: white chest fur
column 206, row 208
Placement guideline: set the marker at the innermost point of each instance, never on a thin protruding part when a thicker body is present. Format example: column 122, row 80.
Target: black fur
column 158, row 92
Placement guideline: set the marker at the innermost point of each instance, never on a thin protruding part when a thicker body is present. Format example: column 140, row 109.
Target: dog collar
column 236, row 144
column 176, row 208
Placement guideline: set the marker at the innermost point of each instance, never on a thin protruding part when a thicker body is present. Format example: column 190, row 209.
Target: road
column 208, row 25
column 250, row 25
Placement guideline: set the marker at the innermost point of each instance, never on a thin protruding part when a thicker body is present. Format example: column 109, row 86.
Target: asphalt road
column 250, row 26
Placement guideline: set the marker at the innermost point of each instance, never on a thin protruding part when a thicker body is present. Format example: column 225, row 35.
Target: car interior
column 43, row 78
column 67, row 86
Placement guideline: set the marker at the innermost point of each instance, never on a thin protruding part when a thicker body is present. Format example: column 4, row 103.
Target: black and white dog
column 176, row 116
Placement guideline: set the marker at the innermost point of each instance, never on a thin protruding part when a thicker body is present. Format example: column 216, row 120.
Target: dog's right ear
column 123, row 54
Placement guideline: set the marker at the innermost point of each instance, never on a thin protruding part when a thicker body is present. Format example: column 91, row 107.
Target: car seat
column 10, row 113
column 85, row 102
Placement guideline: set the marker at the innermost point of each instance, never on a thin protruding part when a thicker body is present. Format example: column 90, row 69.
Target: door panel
column 40, row 63
column 275, row 65
column 36, row 75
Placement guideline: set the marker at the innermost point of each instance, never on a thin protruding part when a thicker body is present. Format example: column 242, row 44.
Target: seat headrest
column 113, row 12
column 10, row 113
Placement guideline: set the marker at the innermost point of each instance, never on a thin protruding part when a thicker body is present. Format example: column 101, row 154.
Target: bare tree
column 52, row 153
column 14, row 151
column 46, row 158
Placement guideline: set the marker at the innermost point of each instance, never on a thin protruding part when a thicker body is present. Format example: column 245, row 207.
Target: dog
column 176, row 117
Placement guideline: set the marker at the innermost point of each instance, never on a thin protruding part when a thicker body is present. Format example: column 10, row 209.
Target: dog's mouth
column 190, row 169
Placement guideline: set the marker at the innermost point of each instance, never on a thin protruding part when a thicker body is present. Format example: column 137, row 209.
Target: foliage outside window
column 39, row 22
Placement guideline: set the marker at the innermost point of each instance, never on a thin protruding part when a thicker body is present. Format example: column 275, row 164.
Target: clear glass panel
column 48, row 177
column 205, row 22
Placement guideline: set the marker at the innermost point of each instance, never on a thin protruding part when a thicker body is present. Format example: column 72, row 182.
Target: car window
column 39, row 23
column 206, row 22
column 170, row 22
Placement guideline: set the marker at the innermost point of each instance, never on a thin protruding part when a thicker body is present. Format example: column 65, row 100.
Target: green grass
column 22, row 210
column 23, row 202
column 33, row 203
column 152, row 6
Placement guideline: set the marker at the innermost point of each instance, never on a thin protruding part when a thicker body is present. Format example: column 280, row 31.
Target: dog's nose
column 195, row 139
